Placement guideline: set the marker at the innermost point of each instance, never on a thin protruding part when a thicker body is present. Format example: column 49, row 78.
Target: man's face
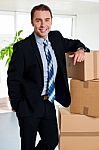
column 42, row 22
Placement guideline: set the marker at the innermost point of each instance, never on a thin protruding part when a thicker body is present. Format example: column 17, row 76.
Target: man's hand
column 78, row 56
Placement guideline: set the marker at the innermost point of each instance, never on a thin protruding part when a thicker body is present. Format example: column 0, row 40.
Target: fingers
column 78, row 56
column 75, row 59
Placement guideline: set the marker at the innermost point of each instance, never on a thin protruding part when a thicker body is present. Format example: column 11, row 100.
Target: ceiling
column 58, row 6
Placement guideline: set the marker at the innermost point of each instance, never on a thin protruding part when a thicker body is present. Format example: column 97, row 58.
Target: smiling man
column 42, row 21
column 37, row 76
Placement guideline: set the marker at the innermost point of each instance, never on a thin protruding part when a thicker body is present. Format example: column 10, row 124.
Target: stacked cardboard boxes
column 79, row 126
column 84, row 85
column 78, row 132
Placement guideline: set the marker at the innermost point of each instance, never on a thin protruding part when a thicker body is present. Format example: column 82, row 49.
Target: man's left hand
column 78, row 56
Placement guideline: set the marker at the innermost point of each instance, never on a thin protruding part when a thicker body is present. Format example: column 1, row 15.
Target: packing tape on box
column 85, row 110
column 85, row 84
column 79, row 134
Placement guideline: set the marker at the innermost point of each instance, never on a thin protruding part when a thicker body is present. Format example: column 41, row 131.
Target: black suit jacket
column 25, row 73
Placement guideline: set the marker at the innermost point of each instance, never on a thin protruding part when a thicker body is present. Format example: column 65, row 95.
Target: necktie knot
column 45, row 42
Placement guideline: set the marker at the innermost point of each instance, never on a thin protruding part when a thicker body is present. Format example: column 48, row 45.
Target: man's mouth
column 43, row 30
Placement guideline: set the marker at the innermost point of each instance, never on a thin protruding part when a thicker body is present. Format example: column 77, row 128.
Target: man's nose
column 42, row 22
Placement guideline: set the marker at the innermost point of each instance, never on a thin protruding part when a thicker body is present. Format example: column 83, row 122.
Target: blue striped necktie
column 50, row 70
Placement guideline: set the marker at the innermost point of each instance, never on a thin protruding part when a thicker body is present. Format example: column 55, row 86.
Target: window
column 63, row 24
column 6, row 24
column 6, row 35
column 23, row 22
column 6, row 28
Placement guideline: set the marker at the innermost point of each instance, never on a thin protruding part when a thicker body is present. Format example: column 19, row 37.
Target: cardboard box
column 79, row 143
column 86, row 70
column 85, row 97
column 78, row 132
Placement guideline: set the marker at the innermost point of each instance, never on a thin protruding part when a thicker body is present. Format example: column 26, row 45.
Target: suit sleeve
column 14, row 78
column 73, row 45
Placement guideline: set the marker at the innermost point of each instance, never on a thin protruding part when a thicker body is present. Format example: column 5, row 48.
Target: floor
column 9, row 130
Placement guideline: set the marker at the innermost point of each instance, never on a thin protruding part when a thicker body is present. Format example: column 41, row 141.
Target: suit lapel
column 36, row 51
column 56, row 49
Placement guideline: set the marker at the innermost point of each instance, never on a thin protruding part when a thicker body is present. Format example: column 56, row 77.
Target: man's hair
column 41, row 7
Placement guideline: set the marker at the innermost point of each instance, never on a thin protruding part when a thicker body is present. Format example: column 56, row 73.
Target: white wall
column 87, row 30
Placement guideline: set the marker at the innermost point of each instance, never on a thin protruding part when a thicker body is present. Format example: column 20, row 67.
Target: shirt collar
column 39, row 39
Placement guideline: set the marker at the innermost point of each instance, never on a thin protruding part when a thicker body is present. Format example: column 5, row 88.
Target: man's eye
column 47, row 20
column 37, row 20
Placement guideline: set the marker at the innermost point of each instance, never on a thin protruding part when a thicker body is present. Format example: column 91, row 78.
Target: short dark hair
column 41, row 7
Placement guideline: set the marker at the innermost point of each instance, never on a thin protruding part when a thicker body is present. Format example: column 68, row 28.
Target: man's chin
column 43, row 35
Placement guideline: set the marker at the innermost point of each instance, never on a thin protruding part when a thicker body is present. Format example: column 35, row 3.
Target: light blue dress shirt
column 44, row 61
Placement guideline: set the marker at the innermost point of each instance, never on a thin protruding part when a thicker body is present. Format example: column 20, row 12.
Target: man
column 28, row 80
